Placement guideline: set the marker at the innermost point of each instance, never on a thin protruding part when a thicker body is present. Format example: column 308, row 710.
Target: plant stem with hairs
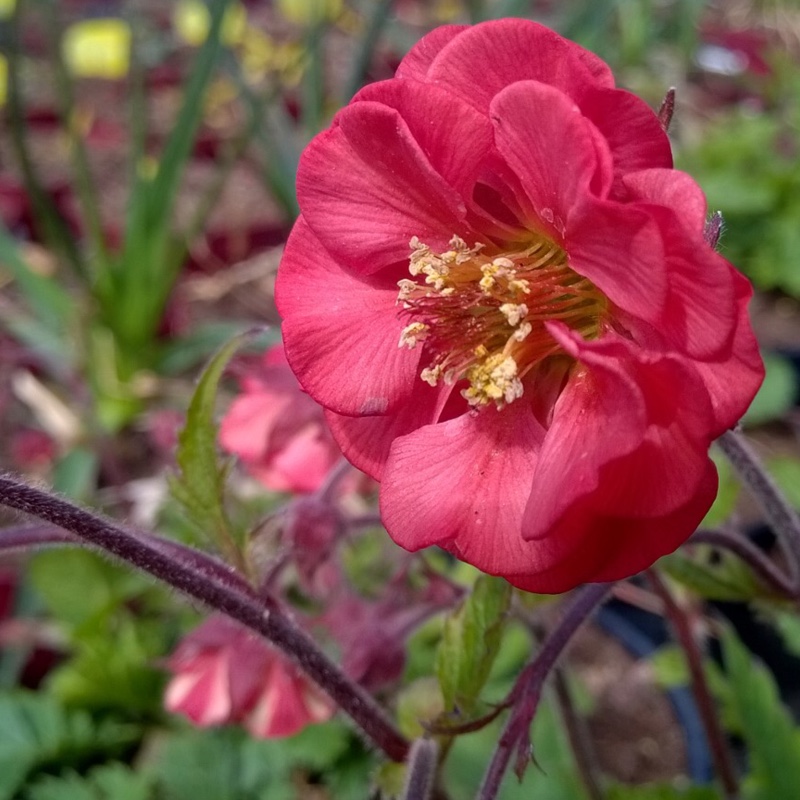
column 231, row 597
column 527, row 690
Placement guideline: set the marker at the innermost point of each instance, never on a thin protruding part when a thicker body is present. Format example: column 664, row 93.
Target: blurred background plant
column 147, row 163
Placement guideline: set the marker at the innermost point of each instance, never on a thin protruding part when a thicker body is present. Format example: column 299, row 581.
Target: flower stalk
column 233, row 598
column 527, row 690
column 783, row 519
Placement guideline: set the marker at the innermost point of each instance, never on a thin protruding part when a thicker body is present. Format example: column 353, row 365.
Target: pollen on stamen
column 481, row 317
column 412, row 334
column 493, row 380
column 514, row 312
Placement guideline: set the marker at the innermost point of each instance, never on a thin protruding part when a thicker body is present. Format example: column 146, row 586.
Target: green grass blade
column 50, row 304
column 366, row 47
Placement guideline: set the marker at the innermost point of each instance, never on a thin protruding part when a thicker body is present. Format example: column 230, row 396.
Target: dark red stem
column 780, row 515
column 239, row 603
column 528, row 687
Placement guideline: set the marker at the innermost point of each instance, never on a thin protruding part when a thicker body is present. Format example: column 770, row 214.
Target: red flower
column 570, row 345
column 277, row 430
column 222, row 673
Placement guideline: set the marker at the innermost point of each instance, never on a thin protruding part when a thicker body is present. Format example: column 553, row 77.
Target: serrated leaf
column 36, row 733
column 470, row 642
column 199, row 484
column 77, row 585
column 721, row 577
column 108, row 782
column 762, row 721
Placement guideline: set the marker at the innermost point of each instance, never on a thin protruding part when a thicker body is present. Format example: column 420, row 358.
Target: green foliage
column 670, row 667
column 75, row 474
column 108, row 782
column 200, row 483
column 711, row 573
column 755, row 712
column 556, row 779
column 776, row 395
column 786, row 623
column 112, row 663
column 662, row 791
column 746, row 165
column 229, row 765
column 470, row 643
column 78, row 586
column 38, row 734
column 48, row 302
column 786, row 472
column 727, row 493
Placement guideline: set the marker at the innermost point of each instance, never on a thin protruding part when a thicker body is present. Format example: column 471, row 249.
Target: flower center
column 481, row 315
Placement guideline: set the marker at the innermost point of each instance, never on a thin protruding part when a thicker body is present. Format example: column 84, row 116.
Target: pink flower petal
column 432, row 114
column 514, row 50
column 417, row 61
column 366, row 440
column 365, row 202
column 557, row 158
column 631, row 129
column 246, row 428
column 343, row 341
column 464, row 485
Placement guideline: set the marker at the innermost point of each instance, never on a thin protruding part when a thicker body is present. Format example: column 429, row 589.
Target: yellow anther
column 521, row 333
column 431, row 375
column 413, row 333
column 494, row 379
column 514, row 312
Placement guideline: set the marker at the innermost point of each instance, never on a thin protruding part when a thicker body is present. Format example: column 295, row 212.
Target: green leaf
column 50, row 304
column 764, row 724
column 187, row 352
column 727, row 493
column 662, row 791
column 555, row 778
column 787, row 623
column 36, row 733
column 776, row 395
column 77, row 585
column 670, row 667
column 713, row 574
column 75, row 475
column 108, row 782
column 786, row 472
column 199, row 485
column 470, row 642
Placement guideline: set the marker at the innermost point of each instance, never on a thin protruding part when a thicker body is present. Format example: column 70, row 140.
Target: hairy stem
column 779, row 513
column 239, row 603
column 421, row 770
column 526, row 691
column 720, row 752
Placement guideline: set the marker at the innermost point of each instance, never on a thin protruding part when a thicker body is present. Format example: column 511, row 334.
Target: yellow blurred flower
column 192, row 21
column 7, row 8
column 307, row 12
column 98, row 48
column 261, row 55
